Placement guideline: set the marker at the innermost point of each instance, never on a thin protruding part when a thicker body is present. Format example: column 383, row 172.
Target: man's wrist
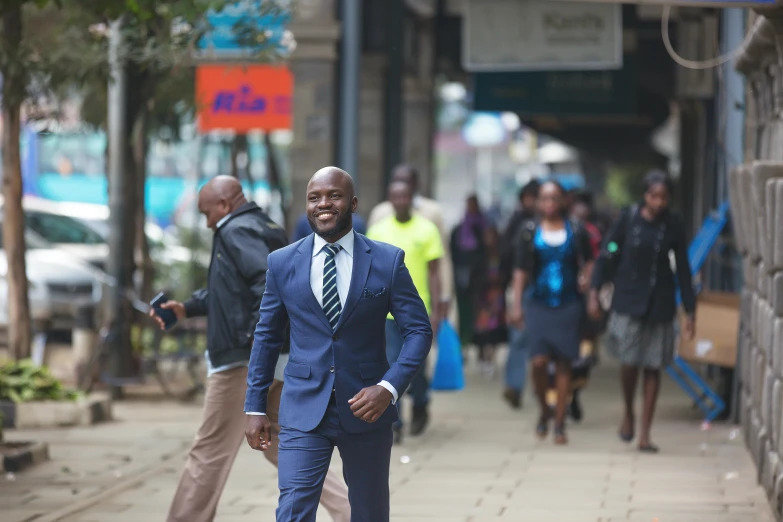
column 391, row 389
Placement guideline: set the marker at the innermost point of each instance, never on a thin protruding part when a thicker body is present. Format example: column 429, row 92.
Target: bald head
column 331, row 202
column 334, row 176
column 221, row 196
column 223, row 187
column 407, row 174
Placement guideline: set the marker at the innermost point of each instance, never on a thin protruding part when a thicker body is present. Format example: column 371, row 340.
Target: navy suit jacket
column 346, row 360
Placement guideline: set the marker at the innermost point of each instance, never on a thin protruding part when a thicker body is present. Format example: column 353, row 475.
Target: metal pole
column 118, row 185
column 394, row 107
column 350, row 56
column 733, row 32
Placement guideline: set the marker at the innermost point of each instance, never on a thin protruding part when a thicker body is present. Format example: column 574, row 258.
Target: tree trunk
column 143, row 258
column 19, row 328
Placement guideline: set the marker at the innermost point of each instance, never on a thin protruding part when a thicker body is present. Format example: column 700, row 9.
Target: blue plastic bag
column 448, row 375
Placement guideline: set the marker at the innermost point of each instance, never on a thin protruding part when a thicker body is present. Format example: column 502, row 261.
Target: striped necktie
column 331, row 299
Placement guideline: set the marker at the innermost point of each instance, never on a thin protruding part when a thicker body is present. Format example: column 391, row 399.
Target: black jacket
column 635, row 257
column 236, row 282
column 526, row 258
column 511, row 234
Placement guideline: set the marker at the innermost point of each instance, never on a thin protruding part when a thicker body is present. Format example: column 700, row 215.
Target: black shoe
column 575, row 409
column 513, row 398
column 397, row 433
column 421, row 417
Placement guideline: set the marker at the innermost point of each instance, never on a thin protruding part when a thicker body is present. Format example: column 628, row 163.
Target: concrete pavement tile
column 19, row 515
column 682, row 516
column 456, row 473
column 403, row 510
column 552, row 514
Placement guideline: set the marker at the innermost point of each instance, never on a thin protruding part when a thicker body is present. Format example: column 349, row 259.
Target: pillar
column 315, row 79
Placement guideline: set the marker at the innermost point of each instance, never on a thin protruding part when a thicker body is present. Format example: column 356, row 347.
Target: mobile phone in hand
column 168, row 316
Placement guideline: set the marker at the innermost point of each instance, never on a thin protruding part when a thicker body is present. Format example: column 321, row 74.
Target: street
column 479, row 461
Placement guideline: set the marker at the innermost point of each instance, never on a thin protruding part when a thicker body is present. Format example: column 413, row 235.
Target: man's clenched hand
column 258, row 432
column 370, row 403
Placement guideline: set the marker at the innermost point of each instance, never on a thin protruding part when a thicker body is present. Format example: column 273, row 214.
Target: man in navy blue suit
column 334, row 288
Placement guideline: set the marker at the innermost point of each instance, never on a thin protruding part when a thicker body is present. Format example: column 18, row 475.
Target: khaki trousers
column 217, row 442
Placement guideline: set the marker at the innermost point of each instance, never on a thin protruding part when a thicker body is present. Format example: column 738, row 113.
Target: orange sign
column 243, row 98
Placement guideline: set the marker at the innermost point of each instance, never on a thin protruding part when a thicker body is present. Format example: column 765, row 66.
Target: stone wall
column 756, row 192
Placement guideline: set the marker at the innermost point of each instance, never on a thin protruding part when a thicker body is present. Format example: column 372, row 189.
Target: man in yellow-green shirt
column 420, row 239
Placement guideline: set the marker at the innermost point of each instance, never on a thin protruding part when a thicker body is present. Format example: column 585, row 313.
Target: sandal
column 627, row 437
column 649, row 448
column 560, row 435
column 542, row 429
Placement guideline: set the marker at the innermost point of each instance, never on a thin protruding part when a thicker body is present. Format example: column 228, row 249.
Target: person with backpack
column 635, row 257
column 553, row 258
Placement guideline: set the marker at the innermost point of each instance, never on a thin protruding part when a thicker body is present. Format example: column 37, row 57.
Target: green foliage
column 624, row 183
column 63, row 48
column 23, row 381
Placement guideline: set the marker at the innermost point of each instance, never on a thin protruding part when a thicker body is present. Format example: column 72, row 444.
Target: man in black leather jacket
column 244, row 237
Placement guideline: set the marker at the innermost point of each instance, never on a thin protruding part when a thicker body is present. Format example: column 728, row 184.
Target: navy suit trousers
column 304, row 460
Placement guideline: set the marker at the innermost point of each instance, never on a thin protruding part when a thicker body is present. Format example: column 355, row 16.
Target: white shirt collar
column 223, row 221
column 346, row 242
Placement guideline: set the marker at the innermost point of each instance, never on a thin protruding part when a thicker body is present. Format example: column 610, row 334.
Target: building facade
column 756, row 191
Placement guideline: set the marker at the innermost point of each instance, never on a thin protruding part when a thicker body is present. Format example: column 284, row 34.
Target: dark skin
column 221, row 196
column 406, row 174
column 409, row 175
column 528, row 202
column 331, row 201
column 401, row 198
column 551, row 203
column 656, row 202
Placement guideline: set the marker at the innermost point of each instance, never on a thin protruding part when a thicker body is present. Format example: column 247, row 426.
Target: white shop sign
column 530, row 35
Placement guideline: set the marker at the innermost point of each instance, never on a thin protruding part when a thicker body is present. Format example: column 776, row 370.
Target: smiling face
column 331, row 203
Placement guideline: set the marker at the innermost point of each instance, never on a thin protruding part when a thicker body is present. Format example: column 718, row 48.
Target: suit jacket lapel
column 304, row 256
column 361, row 269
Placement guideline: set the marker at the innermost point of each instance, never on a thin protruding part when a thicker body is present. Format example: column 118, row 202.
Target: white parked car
column 59, row 283
column 83, row 229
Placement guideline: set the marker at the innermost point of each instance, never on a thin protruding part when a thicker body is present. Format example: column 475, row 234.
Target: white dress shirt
column 343, row 261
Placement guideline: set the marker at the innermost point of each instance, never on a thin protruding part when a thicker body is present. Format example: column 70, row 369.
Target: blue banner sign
column 221, row 38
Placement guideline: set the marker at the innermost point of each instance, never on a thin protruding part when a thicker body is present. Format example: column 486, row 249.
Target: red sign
column 243, row 98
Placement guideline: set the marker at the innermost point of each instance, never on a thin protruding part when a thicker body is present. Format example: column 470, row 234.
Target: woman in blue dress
column 553, row 257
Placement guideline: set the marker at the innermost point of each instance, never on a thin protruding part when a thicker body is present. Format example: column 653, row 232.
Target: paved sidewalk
column 479, row 462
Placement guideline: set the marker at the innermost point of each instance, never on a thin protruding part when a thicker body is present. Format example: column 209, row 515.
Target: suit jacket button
column 331, row 369
column 335, row 337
